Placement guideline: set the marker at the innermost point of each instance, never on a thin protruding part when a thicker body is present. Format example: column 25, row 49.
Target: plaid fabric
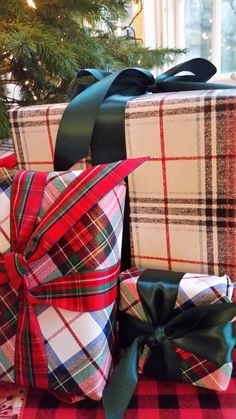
column 189, row 195
column 152, row 399
column 193, row 290
column 68, row 226
column 7, row 154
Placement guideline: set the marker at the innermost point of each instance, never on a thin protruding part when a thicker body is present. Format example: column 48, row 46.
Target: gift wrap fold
column 60, row 242
column 174, row 326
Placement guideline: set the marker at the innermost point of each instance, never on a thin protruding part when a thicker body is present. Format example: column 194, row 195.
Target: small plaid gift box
column 60, row 257
column 176, row 326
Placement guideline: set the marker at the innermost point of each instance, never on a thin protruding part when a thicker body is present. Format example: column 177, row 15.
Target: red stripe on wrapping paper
column 211, row 157
column 49, row 131
column 227, row 187
column 35, row 162
column 193, row 262
column 161, row 116
column 4, row 234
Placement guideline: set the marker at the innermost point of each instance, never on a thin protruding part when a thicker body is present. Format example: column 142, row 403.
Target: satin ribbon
column 79, row 85
column 204, row 330
column 95, row 117
column 31, row 240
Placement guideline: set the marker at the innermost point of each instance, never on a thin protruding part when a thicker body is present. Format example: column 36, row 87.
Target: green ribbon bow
column 95, row 119
column 204, row 330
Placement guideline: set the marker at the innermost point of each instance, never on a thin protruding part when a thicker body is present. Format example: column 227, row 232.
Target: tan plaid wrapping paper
column 34, row 131
column 183, row 199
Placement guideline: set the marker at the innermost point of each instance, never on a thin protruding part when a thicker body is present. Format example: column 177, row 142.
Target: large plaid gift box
column 60, row 240
column 183, row 200
column 7, row 153
column 174, row 326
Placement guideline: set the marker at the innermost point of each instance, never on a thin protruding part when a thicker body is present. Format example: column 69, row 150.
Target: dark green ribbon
column 95, row 117
column 203, row 330
column 93, row 74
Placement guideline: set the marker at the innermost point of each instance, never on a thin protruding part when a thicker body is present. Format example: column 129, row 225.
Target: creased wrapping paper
column 194, row 290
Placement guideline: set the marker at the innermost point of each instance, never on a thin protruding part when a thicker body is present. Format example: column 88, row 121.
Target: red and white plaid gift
column 194, row 290
column 60, row 241
column 173, row 326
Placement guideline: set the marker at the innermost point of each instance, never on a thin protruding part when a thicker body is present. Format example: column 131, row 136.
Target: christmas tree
column 43, row 43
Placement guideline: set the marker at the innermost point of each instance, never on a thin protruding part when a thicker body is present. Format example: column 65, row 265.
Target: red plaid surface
column 152, row 400
column 7, row 154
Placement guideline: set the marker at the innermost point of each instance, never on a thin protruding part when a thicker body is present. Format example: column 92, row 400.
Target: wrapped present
column 60, row 240
column 176, row 326
column 7, row 154
column 182, row 202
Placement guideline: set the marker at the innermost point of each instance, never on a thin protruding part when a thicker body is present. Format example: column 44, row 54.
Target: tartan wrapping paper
column 78, row 344
column 7, row 153
column 183, row 217
column 194, row 290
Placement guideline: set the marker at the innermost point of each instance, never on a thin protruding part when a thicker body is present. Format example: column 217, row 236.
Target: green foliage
column 42, row 49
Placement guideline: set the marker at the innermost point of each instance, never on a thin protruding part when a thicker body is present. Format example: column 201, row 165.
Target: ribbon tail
column 30, row 356
column 119, row 390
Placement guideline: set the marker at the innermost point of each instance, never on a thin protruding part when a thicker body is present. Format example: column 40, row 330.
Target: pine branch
column 43, row 49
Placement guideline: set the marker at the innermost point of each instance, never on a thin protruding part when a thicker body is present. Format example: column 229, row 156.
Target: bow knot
column 156, row 338
column 16, row 268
